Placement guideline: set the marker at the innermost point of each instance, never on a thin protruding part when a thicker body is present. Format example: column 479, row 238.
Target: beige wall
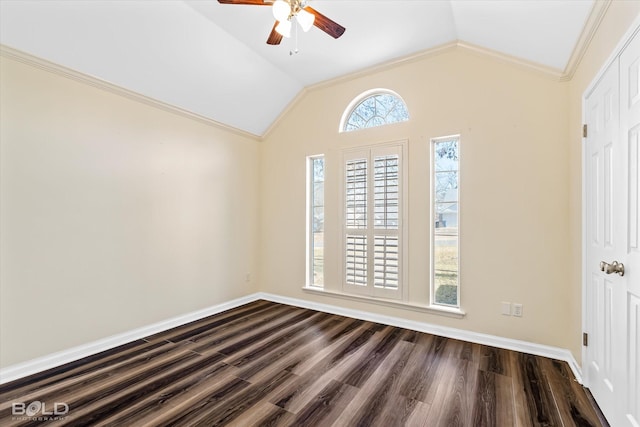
column 521, row 219
column 114, row 215
column 514, row 189
column 619, row 17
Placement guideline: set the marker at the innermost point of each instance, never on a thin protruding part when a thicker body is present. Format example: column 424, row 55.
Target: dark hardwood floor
column 270, row 364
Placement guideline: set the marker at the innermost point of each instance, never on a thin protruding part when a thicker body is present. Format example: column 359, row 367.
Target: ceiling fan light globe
column 284, row 28
column 305, row 19
column 281, row 10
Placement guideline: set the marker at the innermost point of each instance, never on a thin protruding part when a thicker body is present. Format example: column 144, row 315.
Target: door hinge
column 584, row 131
column 585, row 339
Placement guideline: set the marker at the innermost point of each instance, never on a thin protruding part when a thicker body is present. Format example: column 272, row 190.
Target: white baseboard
column 49, row 361
column 40, row 364
column 445, row 331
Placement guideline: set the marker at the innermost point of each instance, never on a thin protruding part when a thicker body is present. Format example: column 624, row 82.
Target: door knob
column 614, row 267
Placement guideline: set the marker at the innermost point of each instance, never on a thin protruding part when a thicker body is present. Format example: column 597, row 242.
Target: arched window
column 374, row 108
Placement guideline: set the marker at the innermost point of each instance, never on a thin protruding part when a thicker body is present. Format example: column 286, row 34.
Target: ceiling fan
column 285, row 10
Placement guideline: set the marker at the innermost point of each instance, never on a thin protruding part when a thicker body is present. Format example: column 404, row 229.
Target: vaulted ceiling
column 211, row 59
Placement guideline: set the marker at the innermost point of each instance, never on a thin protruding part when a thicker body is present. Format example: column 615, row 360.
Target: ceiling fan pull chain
column 295, row 50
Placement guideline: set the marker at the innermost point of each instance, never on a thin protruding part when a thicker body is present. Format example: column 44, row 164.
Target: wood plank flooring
column 268, row 364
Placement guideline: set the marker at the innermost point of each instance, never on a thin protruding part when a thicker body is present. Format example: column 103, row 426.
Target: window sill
column 431, row 309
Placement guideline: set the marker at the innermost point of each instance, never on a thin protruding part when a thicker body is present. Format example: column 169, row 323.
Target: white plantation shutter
column 386, row 262
column 356, row 260
column 356, row 189
column 386, row 192
column 373, row 221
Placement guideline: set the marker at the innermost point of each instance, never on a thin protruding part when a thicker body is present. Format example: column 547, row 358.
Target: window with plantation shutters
column 373, row 221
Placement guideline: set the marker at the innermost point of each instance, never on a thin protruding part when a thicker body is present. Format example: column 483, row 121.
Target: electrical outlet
column 506, row 308
column 247, row 277
column 517, row 310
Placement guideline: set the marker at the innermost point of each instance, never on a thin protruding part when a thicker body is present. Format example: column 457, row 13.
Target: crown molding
column 550, row 72
column 543, row 70
column 598, row 11
column 383, row 66
column 285, row 112
column 62, row 71
column 590, row 28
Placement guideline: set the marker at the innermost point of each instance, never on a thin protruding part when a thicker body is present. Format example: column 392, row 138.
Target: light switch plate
column 506, row 308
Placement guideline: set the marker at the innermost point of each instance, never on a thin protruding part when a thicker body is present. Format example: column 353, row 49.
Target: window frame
column 310, row 238
column 370, row 152
column 432, row 227
column 355, row 103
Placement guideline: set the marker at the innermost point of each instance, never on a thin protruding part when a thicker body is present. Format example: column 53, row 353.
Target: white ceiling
column 212, row 59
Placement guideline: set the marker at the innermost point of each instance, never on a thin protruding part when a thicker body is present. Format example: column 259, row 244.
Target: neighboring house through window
column 445, row 260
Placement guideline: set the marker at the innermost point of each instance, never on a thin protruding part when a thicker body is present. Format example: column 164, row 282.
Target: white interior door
column 602, row 290
column 612, row 253
column 630, row 251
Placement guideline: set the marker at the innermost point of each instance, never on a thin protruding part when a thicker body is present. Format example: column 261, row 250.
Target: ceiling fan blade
column 275, row 37
column 252, row 2
column 330, row 27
